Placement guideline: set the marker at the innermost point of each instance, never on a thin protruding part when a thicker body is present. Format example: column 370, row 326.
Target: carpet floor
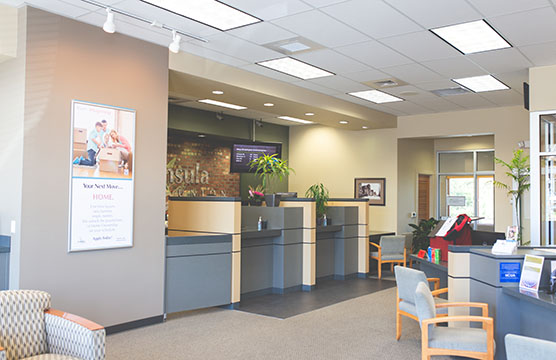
column 359, row 328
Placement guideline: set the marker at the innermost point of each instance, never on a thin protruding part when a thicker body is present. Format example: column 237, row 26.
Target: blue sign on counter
column 510, row 271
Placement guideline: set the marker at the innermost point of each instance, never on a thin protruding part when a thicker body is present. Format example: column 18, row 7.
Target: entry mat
column 327, row 292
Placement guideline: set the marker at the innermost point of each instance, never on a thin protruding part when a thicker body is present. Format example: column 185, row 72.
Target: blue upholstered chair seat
column 467, row 339
column 411, row 309
column 51, row 357
column 388, row 256
column 522, row 347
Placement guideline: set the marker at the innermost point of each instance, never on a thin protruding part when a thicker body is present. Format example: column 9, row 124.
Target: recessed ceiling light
column 378, row 97
column 293, row 67
column 343, row 122
column 481, row 83
column 268, row 104
column 222, row 104
column 209, row 12
column 289, row 118
column 309, row 114
column 218, row 92
column 364, row 127
column 472, row 37
column 201, row 135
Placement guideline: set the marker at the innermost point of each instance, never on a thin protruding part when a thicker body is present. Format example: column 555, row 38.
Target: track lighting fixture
column 175, row 45
column 109, row 25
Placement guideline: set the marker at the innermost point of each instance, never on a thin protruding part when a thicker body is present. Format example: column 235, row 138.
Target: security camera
column 220, row 116
column 259, row 123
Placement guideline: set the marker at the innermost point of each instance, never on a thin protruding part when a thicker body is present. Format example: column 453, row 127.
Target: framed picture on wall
column 372, row 189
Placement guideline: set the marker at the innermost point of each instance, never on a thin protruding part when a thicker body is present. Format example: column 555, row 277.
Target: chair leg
column 398, row 325
column 379, row 269
column 391, row 267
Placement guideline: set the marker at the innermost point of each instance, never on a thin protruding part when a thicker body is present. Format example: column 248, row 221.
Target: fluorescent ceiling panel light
column 209, row 12
column 364, row 127
column 309, row 114
column 293, row 67
column 344, row 122
column 295, row 47
column 472, row 37
column 481, row 83
column 378, row 97
column 222, row 104
column 218, row 92
column 268, row 104
column 289, row 118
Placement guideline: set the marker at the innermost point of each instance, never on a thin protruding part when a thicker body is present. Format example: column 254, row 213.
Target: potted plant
column 518, row 171
column 320, row 193
column 256, row 195
column 421, row 232
column 270, row 167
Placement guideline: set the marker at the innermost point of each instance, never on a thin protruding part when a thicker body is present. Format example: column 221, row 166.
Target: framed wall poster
column 101, row 176
column 372, row 189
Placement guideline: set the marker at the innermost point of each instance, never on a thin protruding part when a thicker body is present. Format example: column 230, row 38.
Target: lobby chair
column 30, row 329
column 522, row 347
column 390, row 250
column 475, row 343
column 407, row 280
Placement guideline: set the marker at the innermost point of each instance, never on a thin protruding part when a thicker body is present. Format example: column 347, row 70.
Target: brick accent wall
column 199, row 168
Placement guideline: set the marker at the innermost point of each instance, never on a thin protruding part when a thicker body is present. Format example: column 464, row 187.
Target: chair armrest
column 482, row 306
column 439, row 291
column 72, row 335
column 488, row 322
column 375, row 244
column 436, row 282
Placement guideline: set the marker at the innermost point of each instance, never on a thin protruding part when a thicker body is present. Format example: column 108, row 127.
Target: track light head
column 175, row 45
column 109, row 25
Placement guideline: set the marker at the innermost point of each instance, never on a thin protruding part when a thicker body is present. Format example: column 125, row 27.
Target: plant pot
column 255, row 202
column 272, row 200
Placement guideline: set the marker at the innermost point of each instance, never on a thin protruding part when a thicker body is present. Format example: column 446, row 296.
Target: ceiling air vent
column 385, row 83
column 450, row 91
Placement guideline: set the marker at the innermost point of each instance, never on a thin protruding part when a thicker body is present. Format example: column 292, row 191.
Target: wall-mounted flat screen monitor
column 242, row 154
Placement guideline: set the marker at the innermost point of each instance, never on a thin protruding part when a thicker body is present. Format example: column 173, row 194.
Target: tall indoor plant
column 518, row 171
column 268, row 168
column 321, row 195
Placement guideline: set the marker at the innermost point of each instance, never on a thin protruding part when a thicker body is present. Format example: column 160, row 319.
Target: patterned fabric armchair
column 30, row 329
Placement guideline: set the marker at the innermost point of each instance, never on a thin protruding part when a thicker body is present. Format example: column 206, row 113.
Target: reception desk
column 5, row 246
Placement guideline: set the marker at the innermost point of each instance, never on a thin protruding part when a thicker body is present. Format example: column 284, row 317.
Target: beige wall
column 541, row 88
column 508, row 124
column 415, row 156
column 336, row 157
column 8, row 32
column 69, row 60
column 484, row 142
column 12, row 93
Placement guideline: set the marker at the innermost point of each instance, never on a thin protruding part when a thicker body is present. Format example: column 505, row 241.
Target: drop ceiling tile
column 210, row 54
column 366, row 75
column 372, row 17
column 436, row 13
column 440, row 105
column 514, row 79
column 321, row 3
column 421, row 46
column 471, row 101
column 540, row 54
column 410, row 92
column 409, row 108
column 374, row 54
column 239, row 48
column 435, row 85
column 316, row 87
column 504, row 60
column 528, row 27
column 262, row 33
column 321, row 28
column 332, row 61
column 454, row 68
column 269, row 10
column 339, row 84
column 412, row 73
column 490, row 8
column 504, row 97
column 261, row 70
column 60, row 7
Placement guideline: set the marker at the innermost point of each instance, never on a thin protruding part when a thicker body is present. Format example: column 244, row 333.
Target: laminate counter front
column 5, row 249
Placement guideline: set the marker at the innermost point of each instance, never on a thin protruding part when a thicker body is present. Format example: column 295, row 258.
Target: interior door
column 423, row 206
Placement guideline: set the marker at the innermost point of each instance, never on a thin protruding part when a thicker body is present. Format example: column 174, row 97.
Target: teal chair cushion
column 522, row 347
column 388, row 256
column 392, row 245
column 424, row 301
column 456, row 338
column 411, row 309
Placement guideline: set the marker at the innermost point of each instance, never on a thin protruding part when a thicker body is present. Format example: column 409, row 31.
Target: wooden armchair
column 407, row 280
column 475, row 343
column 391, row 250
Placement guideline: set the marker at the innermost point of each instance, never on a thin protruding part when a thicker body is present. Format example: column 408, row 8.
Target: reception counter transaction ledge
column 215, row 254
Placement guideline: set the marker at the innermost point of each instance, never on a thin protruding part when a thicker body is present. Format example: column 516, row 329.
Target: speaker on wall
column 526, row 95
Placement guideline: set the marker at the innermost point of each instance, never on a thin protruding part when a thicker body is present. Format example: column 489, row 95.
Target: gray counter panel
column 325, row 257
column 256, row 268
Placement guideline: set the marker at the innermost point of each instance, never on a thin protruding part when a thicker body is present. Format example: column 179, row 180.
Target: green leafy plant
column 518, row 171
column 320, row 193
column 421, row 234
column 269, row 167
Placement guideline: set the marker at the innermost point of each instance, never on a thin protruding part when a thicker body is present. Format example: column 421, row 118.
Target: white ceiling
column 362, row 40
